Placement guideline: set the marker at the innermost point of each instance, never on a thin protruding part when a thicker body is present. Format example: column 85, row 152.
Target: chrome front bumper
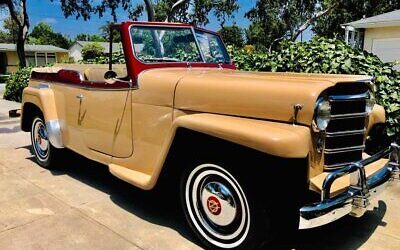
column 356, row 200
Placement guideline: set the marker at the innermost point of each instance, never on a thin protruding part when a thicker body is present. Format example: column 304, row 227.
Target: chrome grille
column 344, row 140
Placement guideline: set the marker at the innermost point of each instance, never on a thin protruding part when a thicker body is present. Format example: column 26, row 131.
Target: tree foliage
column 232, row 35
column 92, row 51
column 105, row 33
column 348, row 11
column 194, row 11
column 43, row 34
column 272, row 20
column 9, row 34
column 332, row 56
column 89, row 38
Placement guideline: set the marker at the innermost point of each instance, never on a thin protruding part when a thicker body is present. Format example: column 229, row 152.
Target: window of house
column 40, row 59
column 51, row 58
column 30, row 58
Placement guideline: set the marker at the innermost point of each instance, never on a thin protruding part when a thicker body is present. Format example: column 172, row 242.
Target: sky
column 50, row 12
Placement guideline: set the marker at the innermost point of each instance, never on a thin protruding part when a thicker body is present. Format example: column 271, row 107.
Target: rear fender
column 43, row 99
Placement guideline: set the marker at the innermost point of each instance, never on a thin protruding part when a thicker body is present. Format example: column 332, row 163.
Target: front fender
column 377, row 116
column 274, row 138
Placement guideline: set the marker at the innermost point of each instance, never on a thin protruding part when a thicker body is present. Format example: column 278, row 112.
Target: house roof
column 31, row 48
column 383, row 20
column 116, row 46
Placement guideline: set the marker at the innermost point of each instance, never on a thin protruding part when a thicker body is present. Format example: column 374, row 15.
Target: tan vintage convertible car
column 252, row 154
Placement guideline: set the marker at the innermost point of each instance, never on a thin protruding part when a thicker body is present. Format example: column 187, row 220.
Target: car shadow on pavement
column 163, row 209
column 346, row 233
column 15, row 129
column 153, row 206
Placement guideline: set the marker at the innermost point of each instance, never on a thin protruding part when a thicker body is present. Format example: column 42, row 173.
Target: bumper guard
column 356, row 200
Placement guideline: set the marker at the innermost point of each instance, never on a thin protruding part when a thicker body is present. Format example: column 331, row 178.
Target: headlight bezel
column 322, row 114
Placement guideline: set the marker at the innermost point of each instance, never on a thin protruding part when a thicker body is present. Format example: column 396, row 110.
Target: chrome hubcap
column 219, row 203
column 217, row 206
column 40, row 140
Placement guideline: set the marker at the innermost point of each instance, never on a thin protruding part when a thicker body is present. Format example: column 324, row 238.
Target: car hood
column 270, row 96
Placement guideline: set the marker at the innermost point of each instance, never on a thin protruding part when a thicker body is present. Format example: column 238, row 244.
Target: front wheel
column 44, row 152
column 220, row 209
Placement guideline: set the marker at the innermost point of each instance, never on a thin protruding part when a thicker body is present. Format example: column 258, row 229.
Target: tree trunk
column 311, row 20
column 21, row 50
column 150, row 10
column 23, row 27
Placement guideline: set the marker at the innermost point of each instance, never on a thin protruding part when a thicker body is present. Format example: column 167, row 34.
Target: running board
column 133, row 177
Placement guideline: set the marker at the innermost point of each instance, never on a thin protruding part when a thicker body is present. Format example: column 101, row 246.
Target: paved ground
column 82, row 206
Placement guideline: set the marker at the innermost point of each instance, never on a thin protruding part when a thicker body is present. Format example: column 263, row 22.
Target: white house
column 75, row 51
column 378, row 34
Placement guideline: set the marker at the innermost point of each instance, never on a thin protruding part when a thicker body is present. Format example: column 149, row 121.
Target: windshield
column 213, row 48
column 167, row 44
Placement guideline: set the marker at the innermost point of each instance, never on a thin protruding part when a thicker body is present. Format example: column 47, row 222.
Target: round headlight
column 370, row 102
column 322, row 114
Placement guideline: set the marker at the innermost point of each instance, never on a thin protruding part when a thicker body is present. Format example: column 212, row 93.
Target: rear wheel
column 220, row 209
column 44, row 152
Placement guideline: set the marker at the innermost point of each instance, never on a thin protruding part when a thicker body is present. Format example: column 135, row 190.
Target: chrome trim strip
column 345, row 98
column 345, row 133
column 356, row 200
column 343, row 150
column 54, row 133
column 91, row 88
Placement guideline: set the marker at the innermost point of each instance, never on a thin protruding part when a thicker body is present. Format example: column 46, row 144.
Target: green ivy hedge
column 16, row 83
column 332, row 56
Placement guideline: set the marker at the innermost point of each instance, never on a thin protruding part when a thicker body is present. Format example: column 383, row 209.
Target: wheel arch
column 40, row 100
column 181, row 153
column 29, row 112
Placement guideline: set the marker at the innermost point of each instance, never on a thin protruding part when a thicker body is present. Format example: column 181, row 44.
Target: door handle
column 80, row 97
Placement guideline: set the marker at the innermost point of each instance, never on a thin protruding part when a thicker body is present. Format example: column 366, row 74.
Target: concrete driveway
column 82, row 206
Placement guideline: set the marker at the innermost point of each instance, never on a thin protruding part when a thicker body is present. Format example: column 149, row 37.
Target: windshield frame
column 193, row 32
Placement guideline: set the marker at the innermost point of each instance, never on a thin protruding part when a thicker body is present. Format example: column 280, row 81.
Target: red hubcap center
column 213, row 205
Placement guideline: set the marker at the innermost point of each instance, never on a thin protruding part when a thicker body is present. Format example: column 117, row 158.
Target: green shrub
column 92, row 51
column 332, row 56
column 16, row 84
column 118, row 58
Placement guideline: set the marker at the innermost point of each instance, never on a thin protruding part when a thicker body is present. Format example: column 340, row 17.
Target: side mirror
column 110, row 75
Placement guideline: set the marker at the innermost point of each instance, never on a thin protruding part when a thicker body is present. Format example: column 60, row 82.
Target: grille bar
column 349, row 115
column 346, row 98
column 342, row 150
column 346, row 133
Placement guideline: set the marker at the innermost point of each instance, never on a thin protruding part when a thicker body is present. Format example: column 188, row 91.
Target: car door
column 106, row 118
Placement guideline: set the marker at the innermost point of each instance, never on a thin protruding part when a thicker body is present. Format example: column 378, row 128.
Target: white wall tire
column 217, row 208
column 44, row 152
